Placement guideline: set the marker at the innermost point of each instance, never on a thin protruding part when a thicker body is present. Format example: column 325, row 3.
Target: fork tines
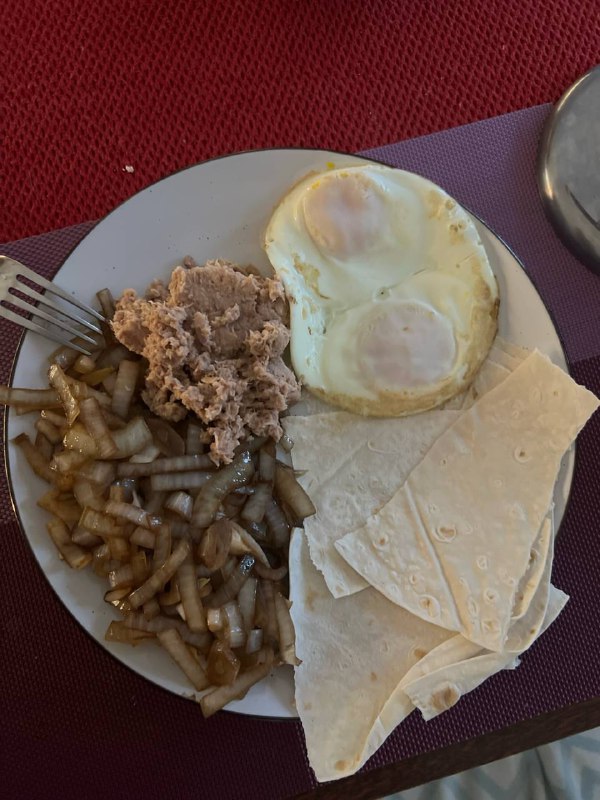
column 62, row 320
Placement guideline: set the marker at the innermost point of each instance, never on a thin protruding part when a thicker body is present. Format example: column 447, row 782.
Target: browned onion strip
column 108, row 383
column 175, row 646
column 43, row 446
column 277, row 525
column 107, row 303
column 68, row 462
column 65, row 356
column 247, row 602
column 229, row 590
column 75, row 556
column 95, row 424
column 170, row 597
column 58, row 381
column 234, row 625
column 271, row 574
column 151, row 609
column 84, row 365
column 218, row 698
column 99, row 523
column 100, row 473
column 254, row 508
column 137, row 620
column 101, row 556
column 287, row 635
column 127, row 377
column 129, row 440
column 50, row 431
column 131, row 513
column 84, row 538
column 39, row 465
column 258, row 530
column 64, row 508
column 57, row 418
column 254, row 641
column 190, row 597
column 142, row 537
column 135, row 436
column 193, row 439
column 97, row 376
column 117, row 632
column 168, row 440
column 215, row 544
column 167, row 465
column 172, row 482
column 266, row 462
column 158, row 579
column 223, row 665
column 116, row 596
column 81, row 391
column 292, row 494
column 180, row 503
column 242, row 542
column 154, row 500
column 121, row 577
column 88, row 495
column 162, row 545
column 218, row 487
column 112, row 356
column 215, row 620
column 269, row 623
column 119, row 548
column 30, row 399
column 121, row 492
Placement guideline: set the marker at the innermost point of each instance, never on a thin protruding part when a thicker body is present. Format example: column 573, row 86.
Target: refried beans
column 214, row 339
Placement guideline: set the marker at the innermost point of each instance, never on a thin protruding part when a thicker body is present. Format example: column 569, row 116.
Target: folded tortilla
column 360, row 462
column 354, row 652
column 453, row 543
column 435, row 690
column 353, row 466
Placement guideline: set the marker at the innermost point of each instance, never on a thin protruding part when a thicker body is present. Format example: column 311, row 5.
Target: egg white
column 393, row 303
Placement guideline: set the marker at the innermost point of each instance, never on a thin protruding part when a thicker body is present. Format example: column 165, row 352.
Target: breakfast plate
column 218, row 209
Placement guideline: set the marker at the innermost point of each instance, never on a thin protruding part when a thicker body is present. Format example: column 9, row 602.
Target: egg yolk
column 345, row 215
column 406, row 345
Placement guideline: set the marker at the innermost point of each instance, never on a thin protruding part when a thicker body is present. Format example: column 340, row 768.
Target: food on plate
column 356, row 468
column 435, row 686
column 354, row 651
column 439, row 546
column 213, row 338
column 366, row 664
column 373, row 456
column 355, row 472
column 393, row 301
column 194, row 554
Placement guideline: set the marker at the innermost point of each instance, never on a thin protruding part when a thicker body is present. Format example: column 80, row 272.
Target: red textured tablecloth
column 90, row 88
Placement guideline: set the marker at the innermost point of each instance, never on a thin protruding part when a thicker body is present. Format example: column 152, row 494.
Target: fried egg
column 393, row 303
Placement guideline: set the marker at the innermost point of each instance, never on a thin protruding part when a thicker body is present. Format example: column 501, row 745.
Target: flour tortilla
column 354, row 652
column 454, row 541
column 541, row 553
column 353, row 467
column 503, row 358
column 458, row 659
column 436, row 690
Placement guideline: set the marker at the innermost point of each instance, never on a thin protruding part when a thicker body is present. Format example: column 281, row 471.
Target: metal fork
column 63, row 321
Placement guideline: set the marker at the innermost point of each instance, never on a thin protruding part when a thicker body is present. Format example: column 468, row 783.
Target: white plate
column 215, row 209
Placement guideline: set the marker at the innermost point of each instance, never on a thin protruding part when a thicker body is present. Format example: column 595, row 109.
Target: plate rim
column 5, row 417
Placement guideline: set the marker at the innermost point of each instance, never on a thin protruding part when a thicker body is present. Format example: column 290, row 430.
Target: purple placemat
column 78, row 724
